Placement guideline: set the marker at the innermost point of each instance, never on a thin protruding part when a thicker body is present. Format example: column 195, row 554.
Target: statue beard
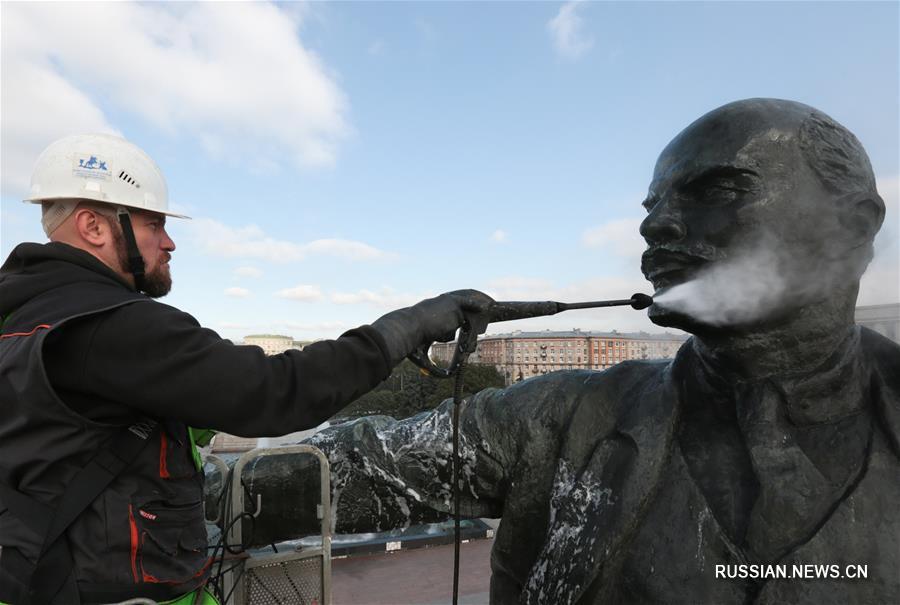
column 157, row 283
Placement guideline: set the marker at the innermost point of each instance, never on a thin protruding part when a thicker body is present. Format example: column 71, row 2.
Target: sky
column 343, row 159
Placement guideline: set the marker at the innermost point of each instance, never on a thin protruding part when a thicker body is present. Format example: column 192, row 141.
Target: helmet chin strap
column 135, row 260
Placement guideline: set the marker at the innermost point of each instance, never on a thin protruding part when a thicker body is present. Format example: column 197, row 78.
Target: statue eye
column 720, row 189
column 730, row 184
column 723, row 188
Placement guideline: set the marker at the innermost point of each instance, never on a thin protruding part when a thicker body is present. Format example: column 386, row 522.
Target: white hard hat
column 100, row 167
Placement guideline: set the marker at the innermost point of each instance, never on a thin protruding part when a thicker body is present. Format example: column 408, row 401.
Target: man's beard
column 157, row 283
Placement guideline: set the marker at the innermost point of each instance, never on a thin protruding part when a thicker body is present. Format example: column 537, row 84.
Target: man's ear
column 92, row 226
column 861, row 215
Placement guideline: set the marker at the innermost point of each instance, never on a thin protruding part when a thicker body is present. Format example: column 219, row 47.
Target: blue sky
column 343, row 159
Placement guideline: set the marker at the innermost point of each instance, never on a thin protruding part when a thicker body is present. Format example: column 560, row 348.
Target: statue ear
column 861, row 215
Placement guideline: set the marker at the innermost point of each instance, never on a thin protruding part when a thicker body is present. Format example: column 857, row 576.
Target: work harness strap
column 135, row 260
column 53, row 570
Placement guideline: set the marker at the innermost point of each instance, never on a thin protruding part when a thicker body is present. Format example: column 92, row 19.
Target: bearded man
column 102, row 388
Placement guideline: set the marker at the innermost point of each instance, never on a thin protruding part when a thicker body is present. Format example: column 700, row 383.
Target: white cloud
column 302, row 292
column 230, row 325
column 236, row 292
column 346, row 249
column 39, row 105
column 324, row 326
column 248, row 271
column 500, row 236
column 250, row 241
column 620, row 237
column 233, row 75
column 385, row 298
column 519, row 288
column 567, row 32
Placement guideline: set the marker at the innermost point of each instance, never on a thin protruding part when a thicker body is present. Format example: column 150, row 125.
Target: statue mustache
column 694, row 255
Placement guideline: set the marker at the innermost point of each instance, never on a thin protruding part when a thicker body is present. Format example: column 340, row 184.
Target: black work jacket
column 81, row 356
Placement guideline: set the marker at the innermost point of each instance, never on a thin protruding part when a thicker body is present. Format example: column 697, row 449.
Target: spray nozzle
column 641, row 301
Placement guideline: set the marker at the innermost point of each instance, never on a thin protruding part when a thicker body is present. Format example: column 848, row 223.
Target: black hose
column 457, row 402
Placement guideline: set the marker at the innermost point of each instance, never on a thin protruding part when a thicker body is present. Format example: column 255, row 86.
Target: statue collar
column 835, row 389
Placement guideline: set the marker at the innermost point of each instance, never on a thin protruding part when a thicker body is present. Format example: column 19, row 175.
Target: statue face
column 733, row 184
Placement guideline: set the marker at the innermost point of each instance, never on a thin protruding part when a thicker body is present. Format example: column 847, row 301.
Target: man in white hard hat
column 125, row 184
column 100, row 480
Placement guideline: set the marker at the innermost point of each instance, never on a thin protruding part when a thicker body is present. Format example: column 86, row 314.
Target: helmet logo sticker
column 91, row 166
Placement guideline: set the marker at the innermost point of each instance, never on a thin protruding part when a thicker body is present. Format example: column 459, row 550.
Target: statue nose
column 661, row 227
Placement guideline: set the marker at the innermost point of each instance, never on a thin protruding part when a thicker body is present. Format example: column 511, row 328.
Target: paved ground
column 422, row 576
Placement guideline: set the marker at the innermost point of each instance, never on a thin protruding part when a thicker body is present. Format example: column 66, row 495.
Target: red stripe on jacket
column 36, row 328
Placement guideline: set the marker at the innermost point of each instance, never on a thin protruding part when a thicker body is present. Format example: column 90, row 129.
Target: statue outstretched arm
column 387, row 473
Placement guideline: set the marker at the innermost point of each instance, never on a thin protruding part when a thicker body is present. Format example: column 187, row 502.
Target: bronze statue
column 770, row 443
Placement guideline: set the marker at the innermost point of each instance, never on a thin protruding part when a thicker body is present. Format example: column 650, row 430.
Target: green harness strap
column 193, row 598
column 199, row 438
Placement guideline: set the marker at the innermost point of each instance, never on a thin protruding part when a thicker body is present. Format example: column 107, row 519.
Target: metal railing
column 301, row 576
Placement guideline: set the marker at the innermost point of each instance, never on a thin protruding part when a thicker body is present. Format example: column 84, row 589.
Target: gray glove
column 432, row 320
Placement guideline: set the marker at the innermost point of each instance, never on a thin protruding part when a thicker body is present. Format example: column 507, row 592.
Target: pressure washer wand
column 477, row 323
column 509, row 310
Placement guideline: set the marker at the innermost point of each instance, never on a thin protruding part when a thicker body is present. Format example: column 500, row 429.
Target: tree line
column 407, row 391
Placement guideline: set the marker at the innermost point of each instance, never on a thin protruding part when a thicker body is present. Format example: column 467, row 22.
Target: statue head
column 757, row 209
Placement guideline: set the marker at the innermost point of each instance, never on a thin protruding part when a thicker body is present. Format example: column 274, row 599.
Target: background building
column 884, row 319
column 272, row 344
column 521, row 355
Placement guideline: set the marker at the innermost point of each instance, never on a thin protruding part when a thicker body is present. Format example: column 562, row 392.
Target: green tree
column 407, row 391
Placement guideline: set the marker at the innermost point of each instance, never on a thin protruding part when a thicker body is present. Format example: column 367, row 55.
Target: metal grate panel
column 295, row 582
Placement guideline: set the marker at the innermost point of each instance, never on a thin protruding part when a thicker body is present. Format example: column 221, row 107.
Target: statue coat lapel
column 602, row 485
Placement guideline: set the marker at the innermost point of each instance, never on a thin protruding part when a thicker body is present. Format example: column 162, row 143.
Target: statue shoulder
column 883, row 356
column 553, row 399
column 571, row 411
column 623, row 375
column 884, row 352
